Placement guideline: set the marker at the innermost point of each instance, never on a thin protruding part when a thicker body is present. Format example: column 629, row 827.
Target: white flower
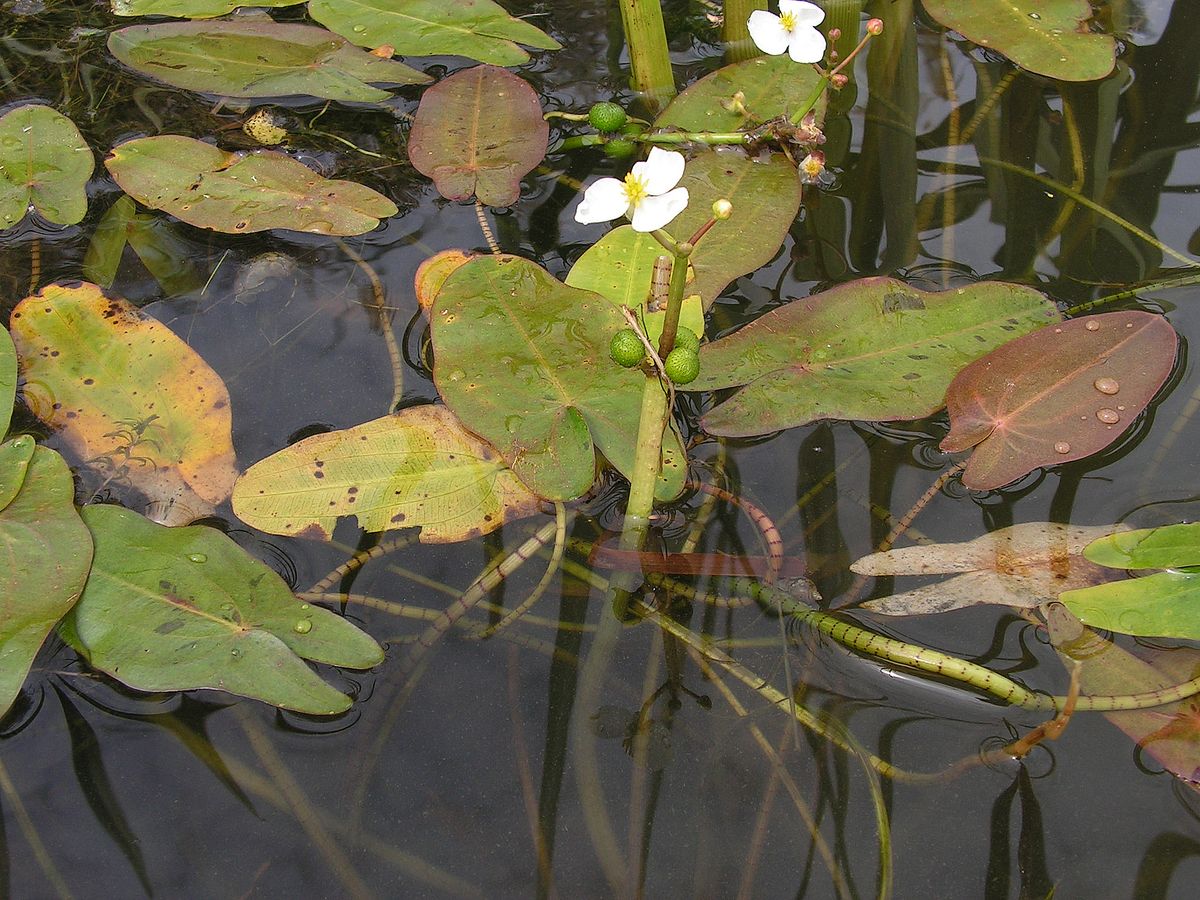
column 792, row 30
column 645, row 195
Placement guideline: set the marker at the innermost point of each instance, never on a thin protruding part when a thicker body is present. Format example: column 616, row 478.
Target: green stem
column 646, row 36
column 646, row 461
column 813, row 99
column 666, row 343
column 735, row 34
column 711, row 138
column 1178, row 281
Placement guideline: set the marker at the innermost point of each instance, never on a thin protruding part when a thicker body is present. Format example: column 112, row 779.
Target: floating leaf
column 174, row 609
column 241, row 192
column 1050, row 37
column 1169, row 733
column 8, row 379
column 419, row 467
column 1162, row 605
column 258, row 58
column 766, row 198
column 46, row 551
column 1058, row 394
column 433, row 272
column 1021, row 566
column 619, row 268
column 44, row 161
column 1169, row 546
column 479, row 132
column 125, row 392
column 190, row 9
column 770, row 85
column 873, row 349
column 14, row 465
column 522, row 360
column 478, row 29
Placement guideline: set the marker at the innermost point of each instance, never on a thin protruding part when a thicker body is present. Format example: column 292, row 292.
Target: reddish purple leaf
column 479, row 132
column 1060, row 393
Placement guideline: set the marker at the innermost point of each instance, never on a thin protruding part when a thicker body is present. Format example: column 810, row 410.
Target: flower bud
column 835, row 33
column 722, row 209
column 875, row 26
column 838, row 81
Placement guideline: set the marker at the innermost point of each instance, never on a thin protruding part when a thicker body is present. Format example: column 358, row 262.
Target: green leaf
column 1056, row 395
column 44, row 161
column 8, row 379
column 771, row 86
column 522, row 360
column 125, row 392
column 1162, row 605
column 190, row 9
column 258, row 58
column 45, row 552
column 1050, row 37
column 107, row 246
column 766, row 198
column 175, row 609
column 165, row 254
column 874, row 349
column 479, row 132
column 478, row 29
column 1168, row 546
column 619, row 268
column 419, row 467
column 241, row 192
column 14, row 465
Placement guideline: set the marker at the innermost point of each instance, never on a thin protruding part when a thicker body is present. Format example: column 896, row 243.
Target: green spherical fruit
column 607, row 117
column 682, row 365
column 619, row 149
column 626, row 348
column 687, row 339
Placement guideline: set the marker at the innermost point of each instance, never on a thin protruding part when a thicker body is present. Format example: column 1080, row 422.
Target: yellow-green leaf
column 125, row 392
column 241, row 192
column 419, row 467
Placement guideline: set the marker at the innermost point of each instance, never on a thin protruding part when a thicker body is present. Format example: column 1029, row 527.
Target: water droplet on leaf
column 1062, row 447
column 1106, row 385
column 1092, row 326
column 304, row 626
column 1108, row 416
column 198, row 557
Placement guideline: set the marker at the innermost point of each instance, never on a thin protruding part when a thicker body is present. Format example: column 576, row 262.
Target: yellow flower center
column 787, row 20
column 812, row 167
column 635, row 189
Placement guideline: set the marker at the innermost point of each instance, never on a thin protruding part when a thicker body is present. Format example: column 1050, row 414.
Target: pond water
column 502, row 771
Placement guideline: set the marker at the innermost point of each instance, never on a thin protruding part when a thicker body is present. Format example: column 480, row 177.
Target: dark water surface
column 441, row 792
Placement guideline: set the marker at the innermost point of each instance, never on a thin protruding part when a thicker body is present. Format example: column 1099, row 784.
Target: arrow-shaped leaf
column 1058, row 394
column 174, row 609
column 874, row 349
column 522, row 360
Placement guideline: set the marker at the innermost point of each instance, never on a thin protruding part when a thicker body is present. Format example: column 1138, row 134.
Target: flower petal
column 661, row 171
column 803, row 13
column 655, row 212
column 603, row 201
column 807, row 45
column 768, row 32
